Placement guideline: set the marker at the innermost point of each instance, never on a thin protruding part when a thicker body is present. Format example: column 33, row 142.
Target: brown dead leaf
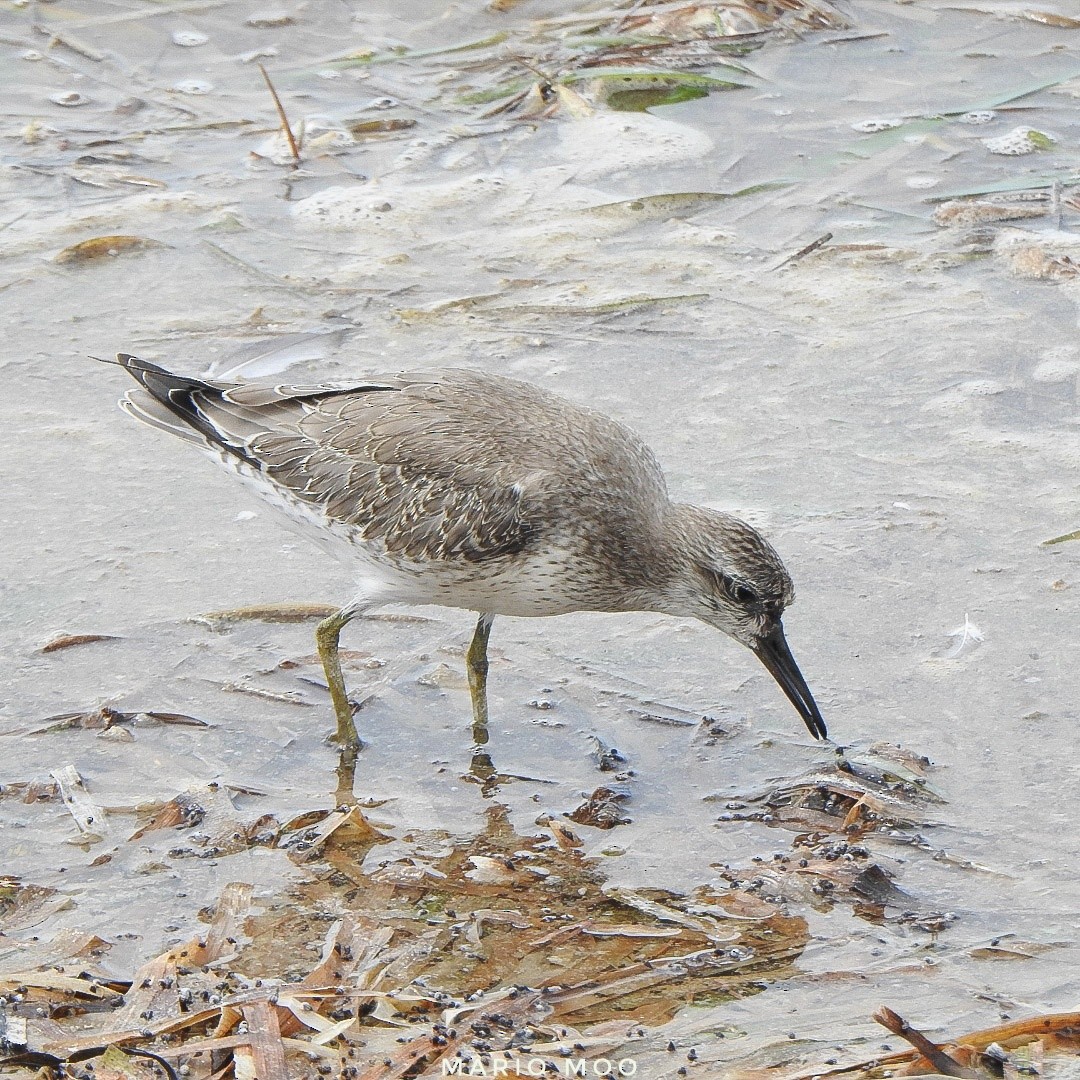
column 973, row 212
column 272, row 613
column 564, row 836
column 181, row 811
column 1052, row 18
column 1031, row 261
column 603, row 808
column 68, row 641
column 360, row 128
column 101, row 247
column 94, row 719
column 263, row 1053
column 181, row 719
column 308, row 841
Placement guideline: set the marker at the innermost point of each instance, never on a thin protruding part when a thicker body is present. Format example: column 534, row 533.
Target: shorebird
column 469, row 490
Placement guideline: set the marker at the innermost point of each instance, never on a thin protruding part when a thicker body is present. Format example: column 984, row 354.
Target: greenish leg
column 327, row 634
column 346, row 775
column 476, row 666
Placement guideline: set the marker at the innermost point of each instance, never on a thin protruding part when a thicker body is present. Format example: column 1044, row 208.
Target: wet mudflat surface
column 894, row 407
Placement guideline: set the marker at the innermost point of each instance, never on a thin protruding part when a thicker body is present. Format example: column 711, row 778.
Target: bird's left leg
column 326, row 635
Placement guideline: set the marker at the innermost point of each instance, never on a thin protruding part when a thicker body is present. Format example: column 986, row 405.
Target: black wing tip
column 139, row 369
column 180, row 395
column 170, row 389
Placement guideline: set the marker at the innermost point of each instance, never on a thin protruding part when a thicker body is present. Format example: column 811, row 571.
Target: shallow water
column 899, row 420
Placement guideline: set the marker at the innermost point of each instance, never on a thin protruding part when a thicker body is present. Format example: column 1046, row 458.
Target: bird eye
column 736, row 591
column 740, row 593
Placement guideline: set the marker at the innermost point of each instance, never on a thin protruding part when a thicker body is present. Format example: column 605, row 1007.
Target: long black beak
column 774, row 653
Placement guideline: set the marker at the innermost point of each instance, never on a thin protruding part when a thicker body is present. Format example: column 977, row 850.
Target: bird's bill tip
column 773, row 651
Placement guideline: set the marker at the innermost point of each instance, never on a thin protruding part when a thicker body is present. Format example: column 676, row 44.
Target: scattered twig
column 931, row 1051
column 1062, row 1024
column 236, row 261
column 66, row 41
column 1074, row 535
column 285, row 126
column 869, row 36
column 821, row 241
column 8, row 224
column 185, row 7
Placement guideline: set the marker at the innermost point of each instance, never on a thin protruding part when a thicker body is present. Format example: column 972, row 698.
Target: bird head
column 731, row 577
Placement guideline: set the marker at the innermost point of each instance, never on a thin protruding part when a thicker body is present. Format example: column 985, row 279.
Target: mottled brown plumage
column 470, row 490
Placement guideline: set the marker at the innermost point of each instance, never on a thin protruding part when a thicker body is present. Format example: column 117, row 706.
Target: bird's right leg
column 476, row 667
column 326, row 635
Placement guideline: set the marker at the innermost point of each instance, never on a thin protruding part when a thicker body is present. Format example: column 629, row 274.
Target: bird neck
column 656, row 561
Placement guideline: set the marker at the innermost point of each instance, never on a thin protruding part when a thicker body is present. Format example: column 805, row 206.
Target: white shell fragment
column 1056, row 368
column 193, row 87
column 872, row 126
column 69, row 99
column 189, row 39
column 1021, row 140
column 267, row 20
